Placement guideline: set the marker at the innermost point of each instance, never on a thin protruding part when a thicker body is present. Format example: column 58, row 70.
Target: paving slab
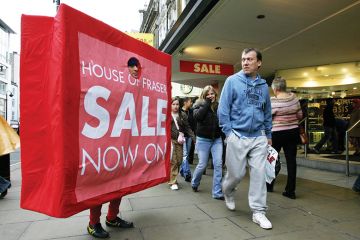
column 199, row 230
column 13, row 231
column 321, row 211
column 56, row 228
column 165, row 216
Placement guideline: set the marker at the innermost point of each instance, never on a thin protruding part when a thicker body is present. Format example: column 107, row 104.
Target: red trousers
column 113, row 211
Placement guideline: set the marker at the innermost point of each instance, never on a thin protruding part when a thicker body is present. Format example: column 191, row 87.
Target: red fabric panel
column 66, row 169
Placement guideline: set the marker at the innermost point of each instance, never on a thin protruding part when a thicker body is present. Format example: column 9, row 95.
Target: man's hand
column 270, row 141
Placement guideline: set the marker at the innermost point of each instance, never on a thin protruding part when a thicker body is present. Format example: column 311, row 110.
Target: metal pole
column 306, row 132
column 6, row 99
column 347, row 170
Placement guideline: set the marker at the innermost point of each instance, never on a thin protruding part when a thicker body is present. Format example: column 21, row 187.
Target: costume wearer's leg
column 95, row 214
column 277, row 143
column 217, row 152
column 256, row 160
column 113, row 209
column 203, row 149
column 175, row 161
column 5, row 166
column 290, row 150
column 185, row 167
column 236, row 151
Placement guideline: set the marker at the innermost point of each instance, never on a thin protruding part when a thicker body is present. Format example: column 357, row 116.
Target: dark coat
column 329, row 117
column 183, row 127
column 207, row 122
column 190, row 117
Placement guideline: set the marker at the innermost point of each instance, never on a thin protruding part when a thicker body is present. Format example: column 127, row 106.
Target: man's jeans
column 204, row 146
column 185, row 167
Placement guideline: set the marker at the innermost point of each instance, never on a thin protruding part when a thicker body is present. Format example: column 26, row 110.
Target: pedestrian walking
column 245, row 117
column 179, row 126
column 208, row 139
column 185, row 171
column 286, row 114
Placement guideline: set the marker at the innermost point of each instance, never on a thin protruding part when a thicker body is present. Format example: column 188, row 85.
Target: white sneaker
column 262, row 220
column 230, row 202
column 174, row 187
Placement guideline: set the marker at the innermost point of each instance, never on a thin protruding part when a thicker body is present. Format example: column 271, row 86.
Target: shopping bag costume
column 91, row 132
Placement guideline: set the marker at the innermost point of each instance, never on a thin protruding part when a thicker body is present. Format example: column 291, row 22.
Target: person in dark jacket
column 329, row 128
column 208, row 139
column 185, row 171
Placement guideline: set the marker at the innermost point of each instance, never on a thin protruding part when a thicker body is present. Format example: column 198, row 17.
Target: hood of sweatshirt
column 245, row 106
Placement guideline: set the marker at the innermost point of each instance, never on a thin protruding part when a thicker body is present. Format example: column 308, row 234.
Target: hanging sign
column 206, row 68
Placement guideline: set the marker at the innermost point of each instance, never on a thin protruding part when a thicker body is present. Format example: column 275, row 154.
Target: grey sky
column 121, row 14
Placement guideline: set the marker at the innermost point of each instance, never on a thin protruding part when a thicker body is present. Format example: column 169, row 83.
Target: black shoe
column 195, row 189
column 289, row 195
column 355, row 189
column 120, row 223
column 97, row 231
column 188, row 178
column 220, row 198
column 3, row 194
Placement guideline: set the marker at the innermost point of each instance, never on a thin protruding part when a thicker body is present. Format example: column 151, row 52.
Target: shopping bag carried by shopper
column 270, row 164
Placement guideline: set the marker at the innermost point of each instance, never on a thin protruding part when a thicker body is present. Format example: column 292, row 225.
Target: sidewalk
column 321, row 211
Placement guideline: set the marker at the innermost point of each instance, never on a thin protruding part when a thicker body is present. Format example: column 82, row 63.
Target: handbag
column 181, row 138
column 303, row 136
column 270, row 164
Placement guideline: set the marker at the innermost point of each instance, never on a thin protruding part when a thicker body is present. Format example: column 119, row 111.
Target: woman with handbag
column 179, row 126
column 208, row 139
column 286, row 114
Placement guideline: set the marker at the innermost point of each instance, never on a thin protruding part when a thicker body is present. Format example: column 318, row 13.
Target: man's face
column 134, row 71
column 250, row 64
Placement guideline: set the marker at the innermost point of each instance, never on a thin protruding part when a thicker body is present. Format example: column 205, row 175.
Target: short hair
column 133, row 61
column 185, row 99
column 258, row 53
column 279, row 83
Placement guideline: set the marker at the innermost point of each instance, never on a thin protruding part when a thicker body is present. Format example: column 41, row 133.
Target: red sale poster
column 94, row 107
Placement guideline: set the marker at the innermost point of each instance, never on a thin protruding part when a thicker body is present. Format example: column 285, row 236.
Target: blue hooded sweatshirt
column 245, row 106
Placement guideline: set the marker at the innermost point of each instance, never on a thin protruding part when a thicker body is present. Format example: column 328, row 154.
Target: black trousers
column 288, row 141
column 5, row 166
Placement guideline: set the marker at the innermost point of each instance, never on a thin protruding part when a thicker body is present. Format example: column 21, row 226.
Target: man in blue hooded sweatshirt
column 245, row 117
